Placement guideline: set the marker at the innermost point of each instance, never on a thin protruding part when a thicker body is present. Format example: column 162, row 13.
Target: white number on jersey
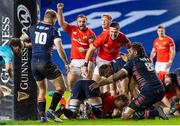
column 41, row 38
column 149, row 66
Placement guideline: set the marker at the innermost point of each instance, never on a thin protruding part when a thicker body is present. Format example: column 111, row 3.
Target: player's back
column 42, row 37
column 117, row 64
column 144, row 72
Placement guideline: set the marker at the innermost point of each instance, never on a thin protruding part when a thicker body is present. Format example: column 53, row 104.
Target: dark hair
column 15, row 42
column 122, row 97
column 161, row 27
column 139, row 48
column 173, row 77
column 103, row 70
column 81, row 16
column 115, row 25
column 122, row 54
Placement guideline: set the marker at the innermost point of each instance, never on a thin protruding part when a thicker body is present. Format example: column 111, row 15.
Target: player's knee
column 42, row 92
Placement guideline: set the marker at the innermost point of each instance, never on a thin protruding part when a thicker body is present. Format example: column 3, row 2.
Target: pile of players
column 115, row 85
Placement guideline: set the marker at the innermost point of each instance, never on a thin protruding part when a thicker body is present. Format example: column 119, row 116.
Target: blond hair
column 109, row 17
column 51, row 14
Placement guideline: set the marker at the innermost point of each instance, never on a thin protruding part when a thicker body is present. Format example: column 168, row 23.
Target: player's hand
column 94, row 86
column 60, row 6
column 84, row 71
column 81, row 49
column 168, row 65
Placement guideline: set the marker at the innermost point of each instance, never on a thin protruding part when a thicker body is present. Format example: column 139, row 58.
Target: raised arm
column 60, row 16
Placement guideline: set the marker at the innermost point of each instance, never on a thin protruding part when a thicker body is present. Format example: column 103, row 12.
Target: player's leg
column 72, row 77
column 145, row 100
column 74, row 103
column 41, row 84
column 41, row 99
column 96, row 104
column 94, row 98
column 55, row 77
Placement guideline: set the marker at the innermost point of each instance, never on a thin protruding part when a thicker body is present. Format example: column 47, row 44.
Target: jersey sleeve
column 8, row 60
column 128, row 67
column 171, row 42
column 68, row 29
column 101, row 39
column 92, row 37
column 127, row 42
column 57, row 34
column 154, row 44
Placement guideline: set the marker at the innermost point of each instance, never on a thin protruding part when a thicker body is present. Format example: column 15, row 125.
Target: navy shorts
column 42, row 69
column 81, row 90
column 147, row 97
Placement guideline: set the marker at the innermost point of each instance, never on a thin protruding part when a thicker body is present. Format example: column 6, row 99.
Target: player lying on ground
column 151, row 89
column 101, row 107
column 172, row 92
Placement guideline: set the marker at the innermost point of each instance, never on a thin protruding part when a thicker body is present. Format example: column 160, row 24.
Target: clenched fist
column 60, row 6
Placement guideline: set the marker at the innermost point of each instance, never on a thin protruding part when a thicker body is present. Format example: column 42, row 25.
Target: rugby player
column 43, row 36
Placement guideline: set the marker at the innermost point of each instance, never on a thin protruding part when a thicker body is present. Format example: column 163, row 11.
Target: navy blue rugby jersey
column 42, row 38
column 142, row 69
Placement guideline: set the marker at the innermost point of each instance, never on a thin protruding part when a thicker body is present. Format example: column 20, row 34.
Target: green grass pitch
column 173, row 120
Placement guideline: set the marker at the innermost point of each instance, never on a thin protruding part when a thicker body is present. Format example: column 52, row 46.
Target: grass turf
column 172, row 121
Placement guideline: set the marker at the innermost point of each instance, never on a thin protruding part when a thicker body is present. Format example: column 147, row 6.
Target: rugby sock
column 41, row 107
column 69, row 114
column 55, row 100
column 97, row 110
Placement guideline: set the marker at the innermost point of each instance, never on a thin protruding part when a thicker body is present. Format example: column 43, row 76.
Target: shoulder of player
column 156, row 39
column 169, row 38
column 90, row 30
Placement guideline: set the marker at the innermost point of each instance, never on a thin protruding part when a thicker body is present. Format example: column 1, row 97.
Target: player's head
column 16, row 45
column 106, row 20
column 114, row 30
column 161, row 31
column 170, row 79
column 82, row 22
column 121, row 101
column 136, row 50
column 105, row 70
column 50, row 16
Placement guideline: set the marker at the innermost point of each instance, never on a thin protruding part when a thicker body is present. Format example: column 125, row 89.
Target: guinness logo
column 22, row 96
